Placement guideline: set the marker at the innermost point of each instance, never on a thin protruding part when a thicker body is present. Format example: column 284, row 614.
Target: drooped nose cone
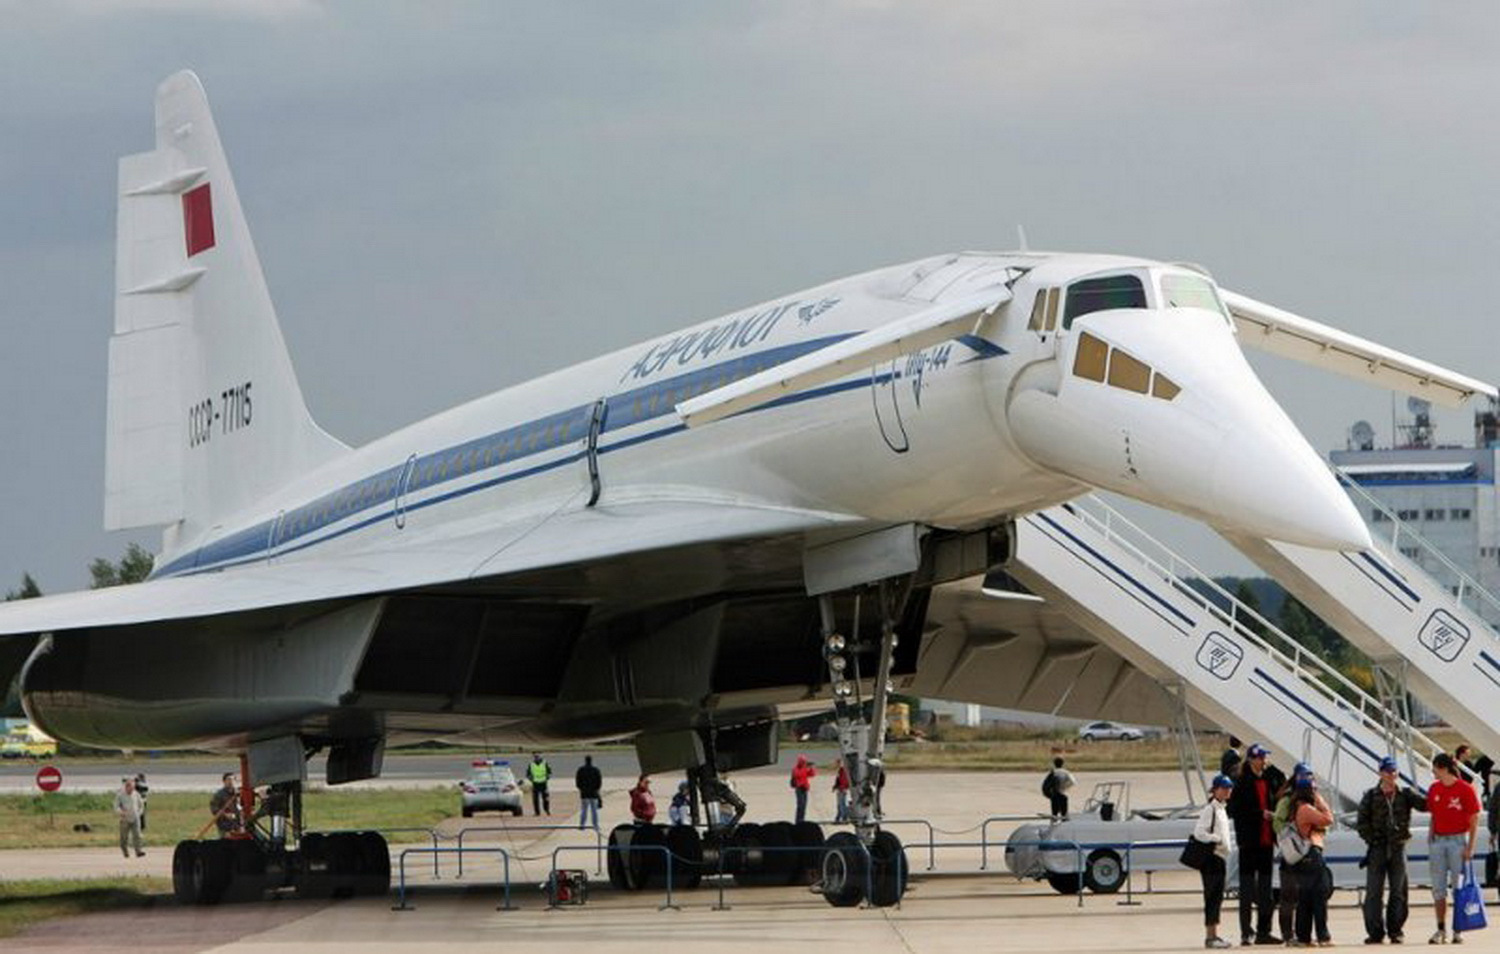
column 1272, row 484
column 1217, row 448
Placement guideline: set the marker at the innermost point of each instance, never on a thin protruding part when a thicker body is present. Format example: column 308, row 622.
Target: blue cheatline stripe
column 1485, row 672
column 1143, row 588
column 1384, row 571
column 1373, row 756
column 984, row 349
column 626, row 409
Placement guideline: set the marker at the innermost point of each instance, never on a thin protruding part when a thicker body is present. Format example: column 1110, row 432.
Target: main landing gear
column 255, row 858
column 869, row 863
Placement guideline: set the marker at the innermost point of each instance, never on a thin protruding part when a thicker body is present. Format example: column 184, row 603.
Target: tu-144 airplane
column 671, row 543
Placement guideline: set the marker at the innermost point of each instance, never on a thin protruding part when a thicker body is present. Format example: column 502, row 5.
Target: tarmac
column 955, row 907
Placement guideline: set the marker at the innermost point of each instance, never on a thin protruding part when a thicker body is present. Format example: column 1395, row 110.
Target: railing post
column 461, row 833
column 668, row 905
column 505, row 859
column 401, row 883
column 434, row 834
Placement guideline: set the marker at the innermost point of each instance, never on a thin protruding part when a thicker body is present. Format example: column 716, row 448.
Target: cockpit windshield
column 1190, row 291
column 1102, row 294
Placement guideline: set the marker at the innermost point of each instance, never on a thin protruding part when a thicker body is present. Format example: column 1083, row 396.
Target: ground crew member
column 225, row 807
column 1384, row 822
column 538, row 773
column 802, row 776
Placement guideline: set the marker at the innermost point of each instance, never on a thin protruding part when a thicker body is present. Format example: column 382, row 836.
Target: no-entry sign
column 49, row 778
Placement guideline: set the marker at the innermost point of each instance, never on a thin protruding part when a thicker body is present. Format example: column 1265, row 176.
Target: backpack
column 1049, row 784
column 1291, row 844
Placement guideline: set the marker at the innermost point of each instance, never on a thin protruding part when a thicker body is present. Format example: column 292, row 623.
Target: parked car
column 1109, row 730
column 490, row 787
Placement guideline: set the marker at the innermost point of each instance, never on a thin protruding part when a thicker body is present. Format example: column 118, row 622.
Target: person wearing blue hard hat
column 1251, row 807
column 1212, row 828
column 1384, row 822
column 1311, row 817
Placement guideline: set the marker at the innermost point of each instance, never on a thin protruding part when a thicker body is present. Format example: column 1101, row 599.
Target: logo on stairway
column 1220, row 655
column 1444, row 635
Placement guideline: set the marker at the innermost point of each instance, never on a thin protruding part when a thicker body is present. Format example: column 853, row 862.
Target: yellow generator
column 898, row 721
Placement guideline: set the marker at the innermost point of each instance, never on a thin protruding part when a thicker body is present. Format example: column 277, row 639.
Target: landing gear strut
column 268, row 851
column 869, row 863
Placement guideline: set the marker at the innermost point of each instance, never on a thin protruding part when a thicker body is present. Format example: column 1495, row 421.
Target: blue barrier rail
column 401, row 904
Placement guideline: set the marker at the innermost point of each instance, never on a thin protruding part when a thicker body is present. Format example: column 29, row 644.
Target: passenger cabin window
column 1102, row 294
column 1191, row 291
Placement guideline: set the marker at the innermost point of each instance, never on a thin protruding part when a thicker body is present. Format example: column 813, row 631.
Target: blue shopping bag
column 1468, row 904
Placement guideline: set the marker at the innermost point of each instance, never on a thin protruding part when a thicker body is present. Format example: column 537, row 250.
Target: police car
column 490, row 787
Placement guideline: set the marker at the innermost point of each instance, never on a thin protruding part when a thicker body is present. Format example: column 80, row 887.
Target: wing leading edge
column 1292, row 336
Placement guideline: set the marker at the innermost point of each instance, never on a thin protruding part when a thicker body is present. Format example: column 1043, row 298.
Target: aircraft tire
column 375, row 865
column 313, row 880
column 1103, row 872
column 344, row 863
column 891, row 870
column 183, row 888
column 781, row 863
column 614, row 860
column 211, row 870
column 809, row 837
column 686, row 846
column 843, row 867
column 750, row 863
column 648, row 866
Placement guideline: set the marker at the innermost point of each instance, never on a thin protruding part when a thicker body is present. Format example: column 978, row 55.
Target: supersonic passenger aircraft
column 680, row 542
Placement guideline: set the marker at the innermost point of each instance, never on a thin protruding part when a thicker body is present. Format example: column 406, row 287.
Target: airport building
column 1446, row 493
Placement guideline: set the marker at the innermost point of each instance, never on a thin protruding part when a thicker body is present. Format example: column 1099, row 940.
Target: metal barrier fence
column 984, row 833
column 598, row 840
column 401, row 904
column 664, row 906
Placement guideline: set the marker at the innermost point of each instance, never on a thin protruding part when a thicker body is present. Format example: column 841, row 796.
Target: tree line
column 133, row 567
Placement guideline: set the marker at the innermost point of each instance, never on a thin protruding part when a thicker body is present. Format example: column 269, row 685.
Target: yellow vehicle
column 26, row 741
column 898, row 721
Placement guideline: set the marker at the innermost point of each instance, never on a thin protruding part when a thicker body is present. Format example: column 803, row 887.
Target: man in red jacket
column 1454, row 806
column 802, row 776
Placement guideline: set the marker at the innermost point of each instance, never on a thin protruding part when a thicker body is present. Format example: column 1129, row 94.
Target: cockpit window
column 1190, row 291
column 1101, row 294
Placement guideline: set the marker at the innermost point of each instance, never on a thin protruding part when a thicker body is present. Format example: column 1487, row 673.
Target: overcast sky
column 449, row 198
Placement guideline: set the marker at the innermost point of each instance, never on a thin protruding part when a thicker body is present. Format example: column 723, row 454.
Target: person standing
column 802, row 776
column 642, row 802
column 143, row 790
column 1055, row 785
column 538, row 773
column 1384, row 823
column 589, row 783
column 680, row 812
column 225, row 807
column 1251, row 808
column 1286, row 894
column 1312, row 816
column 1212, row 828
column 1229, row 762
column 1450, row 842
column 841, row 791
column 129, row 807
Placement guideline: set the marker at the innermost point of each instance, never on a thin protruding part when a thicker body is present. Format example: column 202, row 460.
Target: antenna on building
column 1419, row 432
column 1361, row 436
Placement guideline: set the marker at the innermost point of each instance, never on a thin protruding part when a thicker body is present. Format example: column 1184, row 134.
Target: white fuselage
column 1001, row 421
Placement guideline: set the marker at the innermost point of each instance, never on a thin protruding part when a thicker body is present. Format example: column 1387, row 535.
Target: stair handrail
column 1303, row 663
column 1399, row 527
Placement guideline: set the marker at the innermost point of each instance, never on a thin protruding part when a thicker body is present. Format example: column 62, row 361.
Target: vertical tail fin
column 205, row 414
